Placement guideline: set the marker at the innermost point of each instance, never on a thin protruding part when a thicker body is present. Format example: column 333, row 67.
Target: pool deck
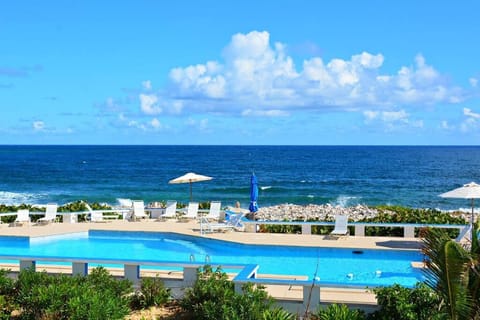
column 352, row 296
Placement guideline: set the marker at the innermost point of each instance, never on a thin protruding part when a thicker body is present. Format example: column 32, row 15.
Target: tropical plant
column 338, row 312
column 400, row 303
column 453, row 272
column 213, row 297
column 152, row 292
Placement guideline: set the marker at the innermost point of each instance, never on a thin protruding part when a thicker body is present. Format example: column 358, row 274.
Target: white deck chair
column 23, row 216
column 139, row 210
column 192, row 212
column 95, row 216
column 234, row 223
column 50, row 214
column 170, row 210
column 214, row 212
column 341, row 228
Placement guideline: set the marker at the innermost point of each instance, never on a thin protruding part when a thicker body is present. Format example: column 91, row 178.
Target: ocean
column 411, row 176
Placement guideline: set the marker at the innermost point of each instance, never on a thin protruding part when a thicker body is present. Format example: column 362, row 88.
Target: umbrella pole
column 471, row 220
column 191, row 198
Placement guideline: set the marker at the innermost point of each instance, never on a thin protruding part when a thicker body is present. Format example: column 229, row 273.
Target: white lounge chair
column 139, row 210
column 233, row 223
column 214, row 212
column 170, row 211
column 23, row 216
column 50, row 214
column 341, row 226
column 192, row 212
column 95, row 216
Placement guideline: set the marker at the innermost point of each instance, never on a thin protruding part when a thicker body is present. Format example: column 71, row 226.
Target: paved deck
column 192, row 228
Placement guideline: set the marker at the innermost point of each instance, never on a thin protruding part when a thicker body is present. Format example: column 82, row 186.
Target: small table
column 154, row 213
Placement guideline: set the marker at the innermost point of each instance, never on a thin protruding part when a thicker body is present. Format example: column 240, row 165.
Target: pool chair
column 191, row 214
column 138, row 210
column 94, row 216
column 50, row 214
column 341, row 228
column 214, row 212
column 23, row 217
column 234, row 223
column 170, row 211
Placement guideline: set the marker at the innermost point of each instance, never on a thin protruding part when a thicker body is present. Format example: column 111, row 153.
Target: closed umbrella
column 190, row 178
column 468, row 191
column 253, row 207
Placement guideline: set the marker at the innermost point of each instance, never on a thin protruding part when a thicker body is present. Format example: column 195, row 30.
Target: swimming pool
column 338, row 266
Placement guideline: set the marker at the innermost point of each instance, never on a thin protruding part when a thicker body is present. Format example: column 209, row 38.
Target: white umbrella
column 468, row 191
column 190, row 178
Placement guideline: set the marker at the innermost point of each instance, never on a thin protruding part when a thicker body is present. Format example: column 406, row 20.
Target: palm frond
column 448, row 273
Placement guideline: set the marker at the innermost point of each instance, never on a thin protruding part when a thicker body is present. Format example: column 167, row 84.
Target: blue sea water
column 340, row 175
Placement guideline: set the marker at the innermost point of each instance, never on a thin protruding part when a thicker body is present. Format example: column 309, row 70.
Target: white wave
column 122, row 202
column 344, row 201
column 14, row 198
column 265, row 187
column 310, row 196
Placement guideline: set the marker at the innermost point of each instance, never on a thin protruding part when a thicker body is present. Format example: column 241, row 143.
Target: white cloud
column 147, row 85
column 38, row 125
column 469, row 113
column 473, row 82
column 155, row 123
column 148, row 104
column 446, row 126
column 264, row 113
column 257, row 72
column 391, row 116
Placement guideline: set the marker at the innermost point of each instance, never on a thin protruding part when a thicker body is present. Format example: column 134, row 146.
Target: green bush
column 338, row 312
column 97, row 296
column 213, row 297
column 399, row 303
column 152, row 293
column 6, row 294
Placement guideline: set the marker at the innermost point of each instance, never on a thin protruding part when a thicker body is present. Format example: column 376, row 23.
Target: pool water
column 339, row 266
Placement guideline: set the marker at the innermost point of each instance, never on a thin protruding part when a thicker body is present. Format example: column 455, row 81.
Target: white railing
column 131, row 271
column 408, row 228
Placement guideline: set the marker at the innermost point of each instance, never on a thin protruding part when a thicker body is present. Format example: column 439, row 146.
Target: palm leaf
column 447, row 273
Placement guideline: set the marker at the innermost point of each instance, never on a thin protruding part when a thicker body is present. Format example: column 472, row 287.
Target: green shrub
column 97, row 296
column 338, row 312
column 213, row 297
column 152, row 293
column 6, row 295
column 399, row 303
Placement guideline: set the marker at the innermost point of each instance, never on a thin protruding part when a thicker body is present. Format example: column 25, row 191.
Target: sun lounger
column 233, row 223
column 214, row 212
column 341, row 228
column 139, row 210
column 95, row 216
column 170, row 211
column 192, row 212
column 23, row 216
column 50, row 214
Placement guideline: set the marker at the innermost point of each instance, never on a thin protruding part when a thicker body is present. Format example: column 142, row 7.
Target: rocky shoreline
column 324, row 212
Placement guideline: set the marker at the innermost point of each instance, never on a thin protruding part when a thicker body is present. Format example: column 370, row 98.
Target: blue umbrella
column 253, row 194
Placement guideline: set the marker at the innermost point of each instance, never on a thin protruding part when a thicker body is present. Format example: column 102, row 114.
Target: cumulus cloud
column 255, row 71
column 392, row 119
column 148, row 104
column 38, row 126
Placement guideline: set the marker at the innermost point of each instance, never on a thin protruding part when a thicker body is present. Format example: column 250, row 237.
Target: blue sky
column 240, row 72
